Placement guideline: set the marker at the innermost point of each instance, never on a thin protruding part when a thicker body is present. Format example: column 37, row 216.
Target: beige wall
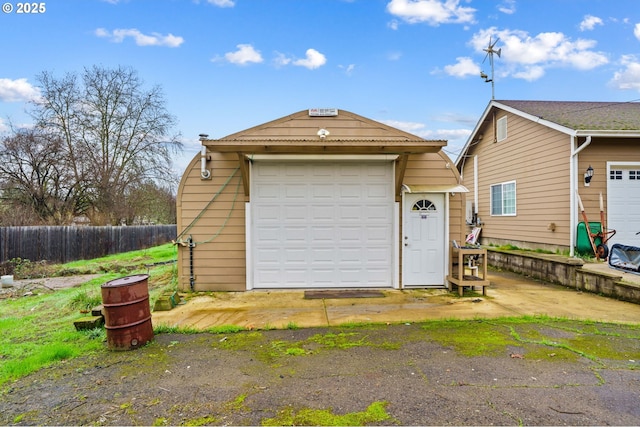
column 219, row 256
column 597, row 154
column 537, row 158
column 220, row 262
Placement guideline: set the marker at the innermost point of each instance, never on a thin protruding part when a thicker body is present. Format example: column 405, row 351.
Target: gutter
column 573, row 167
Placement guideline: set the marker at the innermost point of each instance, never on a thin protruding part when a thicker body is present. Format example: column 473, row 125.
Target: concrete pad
column 508, row 295
column 605, row 268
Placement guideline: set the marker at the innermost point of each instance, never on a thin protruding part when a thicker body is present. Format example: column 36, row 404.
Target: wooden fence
column 61, row 244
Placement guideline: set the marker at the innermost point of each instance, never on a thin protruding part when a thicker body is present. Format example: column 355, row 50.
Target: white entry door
column 423, row 240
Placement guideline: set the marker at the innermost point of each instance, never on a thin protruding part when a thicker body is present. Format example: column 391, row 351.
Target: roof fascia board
column 474, row 132
column 512, row 110
column 609, row 133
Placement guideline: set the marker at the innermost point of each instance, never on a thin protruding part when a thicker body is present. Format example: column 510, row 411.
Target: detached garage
column 318, row 199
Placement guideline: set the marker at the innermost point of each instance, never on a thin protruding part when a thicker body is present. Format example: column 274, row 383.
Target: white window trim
column 501, row 136
column 502, row 184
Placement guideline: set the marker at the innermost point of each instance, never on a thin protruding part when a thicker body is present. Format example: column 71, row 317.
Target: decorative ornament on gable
column 323, row 133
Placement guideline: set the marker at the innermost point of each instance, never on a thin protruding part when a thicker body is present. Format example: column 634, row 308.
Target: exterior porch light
column 587, row 176
column 204, row 172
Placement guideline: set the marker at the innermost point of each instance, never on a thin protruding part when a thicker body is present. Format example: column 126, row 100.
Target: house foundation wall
column 564, row 271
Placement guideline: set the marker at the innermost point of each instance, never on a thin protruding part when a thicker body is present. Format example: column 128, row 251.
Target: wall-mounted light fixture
column 323, row 133
column 587, row 176
column 204, row 172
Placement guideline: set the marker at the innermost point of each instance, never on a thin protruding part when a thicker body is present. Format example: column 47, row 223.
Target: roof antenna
column 490, row 51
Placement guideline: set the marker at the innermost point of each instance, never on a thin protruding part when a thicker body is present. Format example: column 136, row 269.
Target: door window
column 423, row 205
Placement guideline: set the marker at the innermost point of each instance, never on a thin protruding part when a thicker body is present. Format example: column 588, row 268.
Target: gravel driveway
column 418, row 376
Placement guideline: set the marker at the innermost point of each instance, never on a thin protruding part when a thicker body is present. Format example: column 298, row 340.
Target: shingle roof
column 583, row 115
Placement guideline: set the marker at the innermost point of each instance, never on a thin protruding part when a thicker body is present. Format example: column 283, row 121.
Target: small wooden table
column 459, row 260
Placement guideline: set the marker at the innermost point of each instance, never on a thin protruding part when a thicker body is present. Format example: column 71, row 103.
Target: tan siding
column 219, row 232
column 301, row 126
column 597, row 155
column 538, row 160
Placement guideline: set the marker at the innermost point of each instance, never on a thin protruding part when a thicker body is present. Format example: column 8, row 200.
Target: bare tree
column 114, row 133
column 35, row 182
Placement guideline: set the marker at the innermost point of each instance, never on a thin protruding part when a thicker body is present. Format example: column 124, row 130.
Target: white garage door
column 322, row 225
column 623, row 203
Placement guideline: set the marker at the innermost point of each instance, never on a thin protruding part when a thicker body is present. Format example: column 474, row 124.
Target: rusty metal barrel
column 127, row 312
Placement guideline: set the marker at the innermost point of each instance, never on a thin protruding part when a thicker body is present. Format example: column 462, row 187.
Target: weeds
column 375, row 413
column 38, row 331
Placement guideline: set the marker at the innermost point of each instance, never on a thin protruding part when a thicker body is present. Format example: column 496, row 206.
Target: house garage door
column 623, row 203
column 321, row 224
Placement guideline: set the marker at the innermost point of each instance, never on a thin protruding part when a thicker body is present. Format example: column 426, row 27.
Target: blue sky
column 228, row 65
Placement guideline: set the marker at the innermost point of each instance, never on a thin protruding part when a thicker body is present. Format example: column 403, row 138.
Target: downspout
column 573, row 167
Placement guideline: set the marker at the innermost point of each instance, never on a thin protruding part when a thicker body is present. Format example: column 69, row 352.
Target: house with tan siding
column 322, row 198
column 525, row 165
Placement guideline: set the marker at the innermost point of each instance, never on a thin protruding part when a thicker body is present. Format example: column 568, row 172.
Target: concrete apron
column 508, row 295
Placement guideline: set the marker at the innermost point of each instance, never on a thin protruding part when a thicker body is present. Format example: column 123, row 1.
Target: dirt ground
column 43, row 285
column 257, row 377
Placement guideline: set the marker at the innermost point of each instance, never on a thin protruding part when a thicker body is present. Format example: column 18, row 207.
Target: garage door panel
column 350, row 192
column 350, row 235
column 377, row 235
column 623, row 203
column 318, row 221
column 351, row 213
column 323, row 256
column 294, row 213
column 324, row 212
column 322, row 192
column 295, row 235
column 268, row 258
column 295, row 257
column 269, row 235
column 376, row 213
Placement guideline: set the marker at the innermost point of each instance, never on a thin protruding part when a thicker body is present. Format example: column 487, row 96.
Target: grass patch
column 375, row 413
column 38, row 330
column 470, row 337
column 539, row 337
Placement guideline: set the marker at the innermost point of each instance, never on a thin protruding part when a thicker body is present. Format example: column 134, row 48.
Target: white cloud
column 529, row 73
column 244, row 55
column 527, row 57
column 154, row 39
column 636, row 31
column 410, row 127
column 508, row 7
column 313, row 60
column 589, row 22
column 222, row 3
column 19, row 90
column 281, row 60
column 629, row 76
column 433, row 12
column 348, row 69
column 463, row 68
